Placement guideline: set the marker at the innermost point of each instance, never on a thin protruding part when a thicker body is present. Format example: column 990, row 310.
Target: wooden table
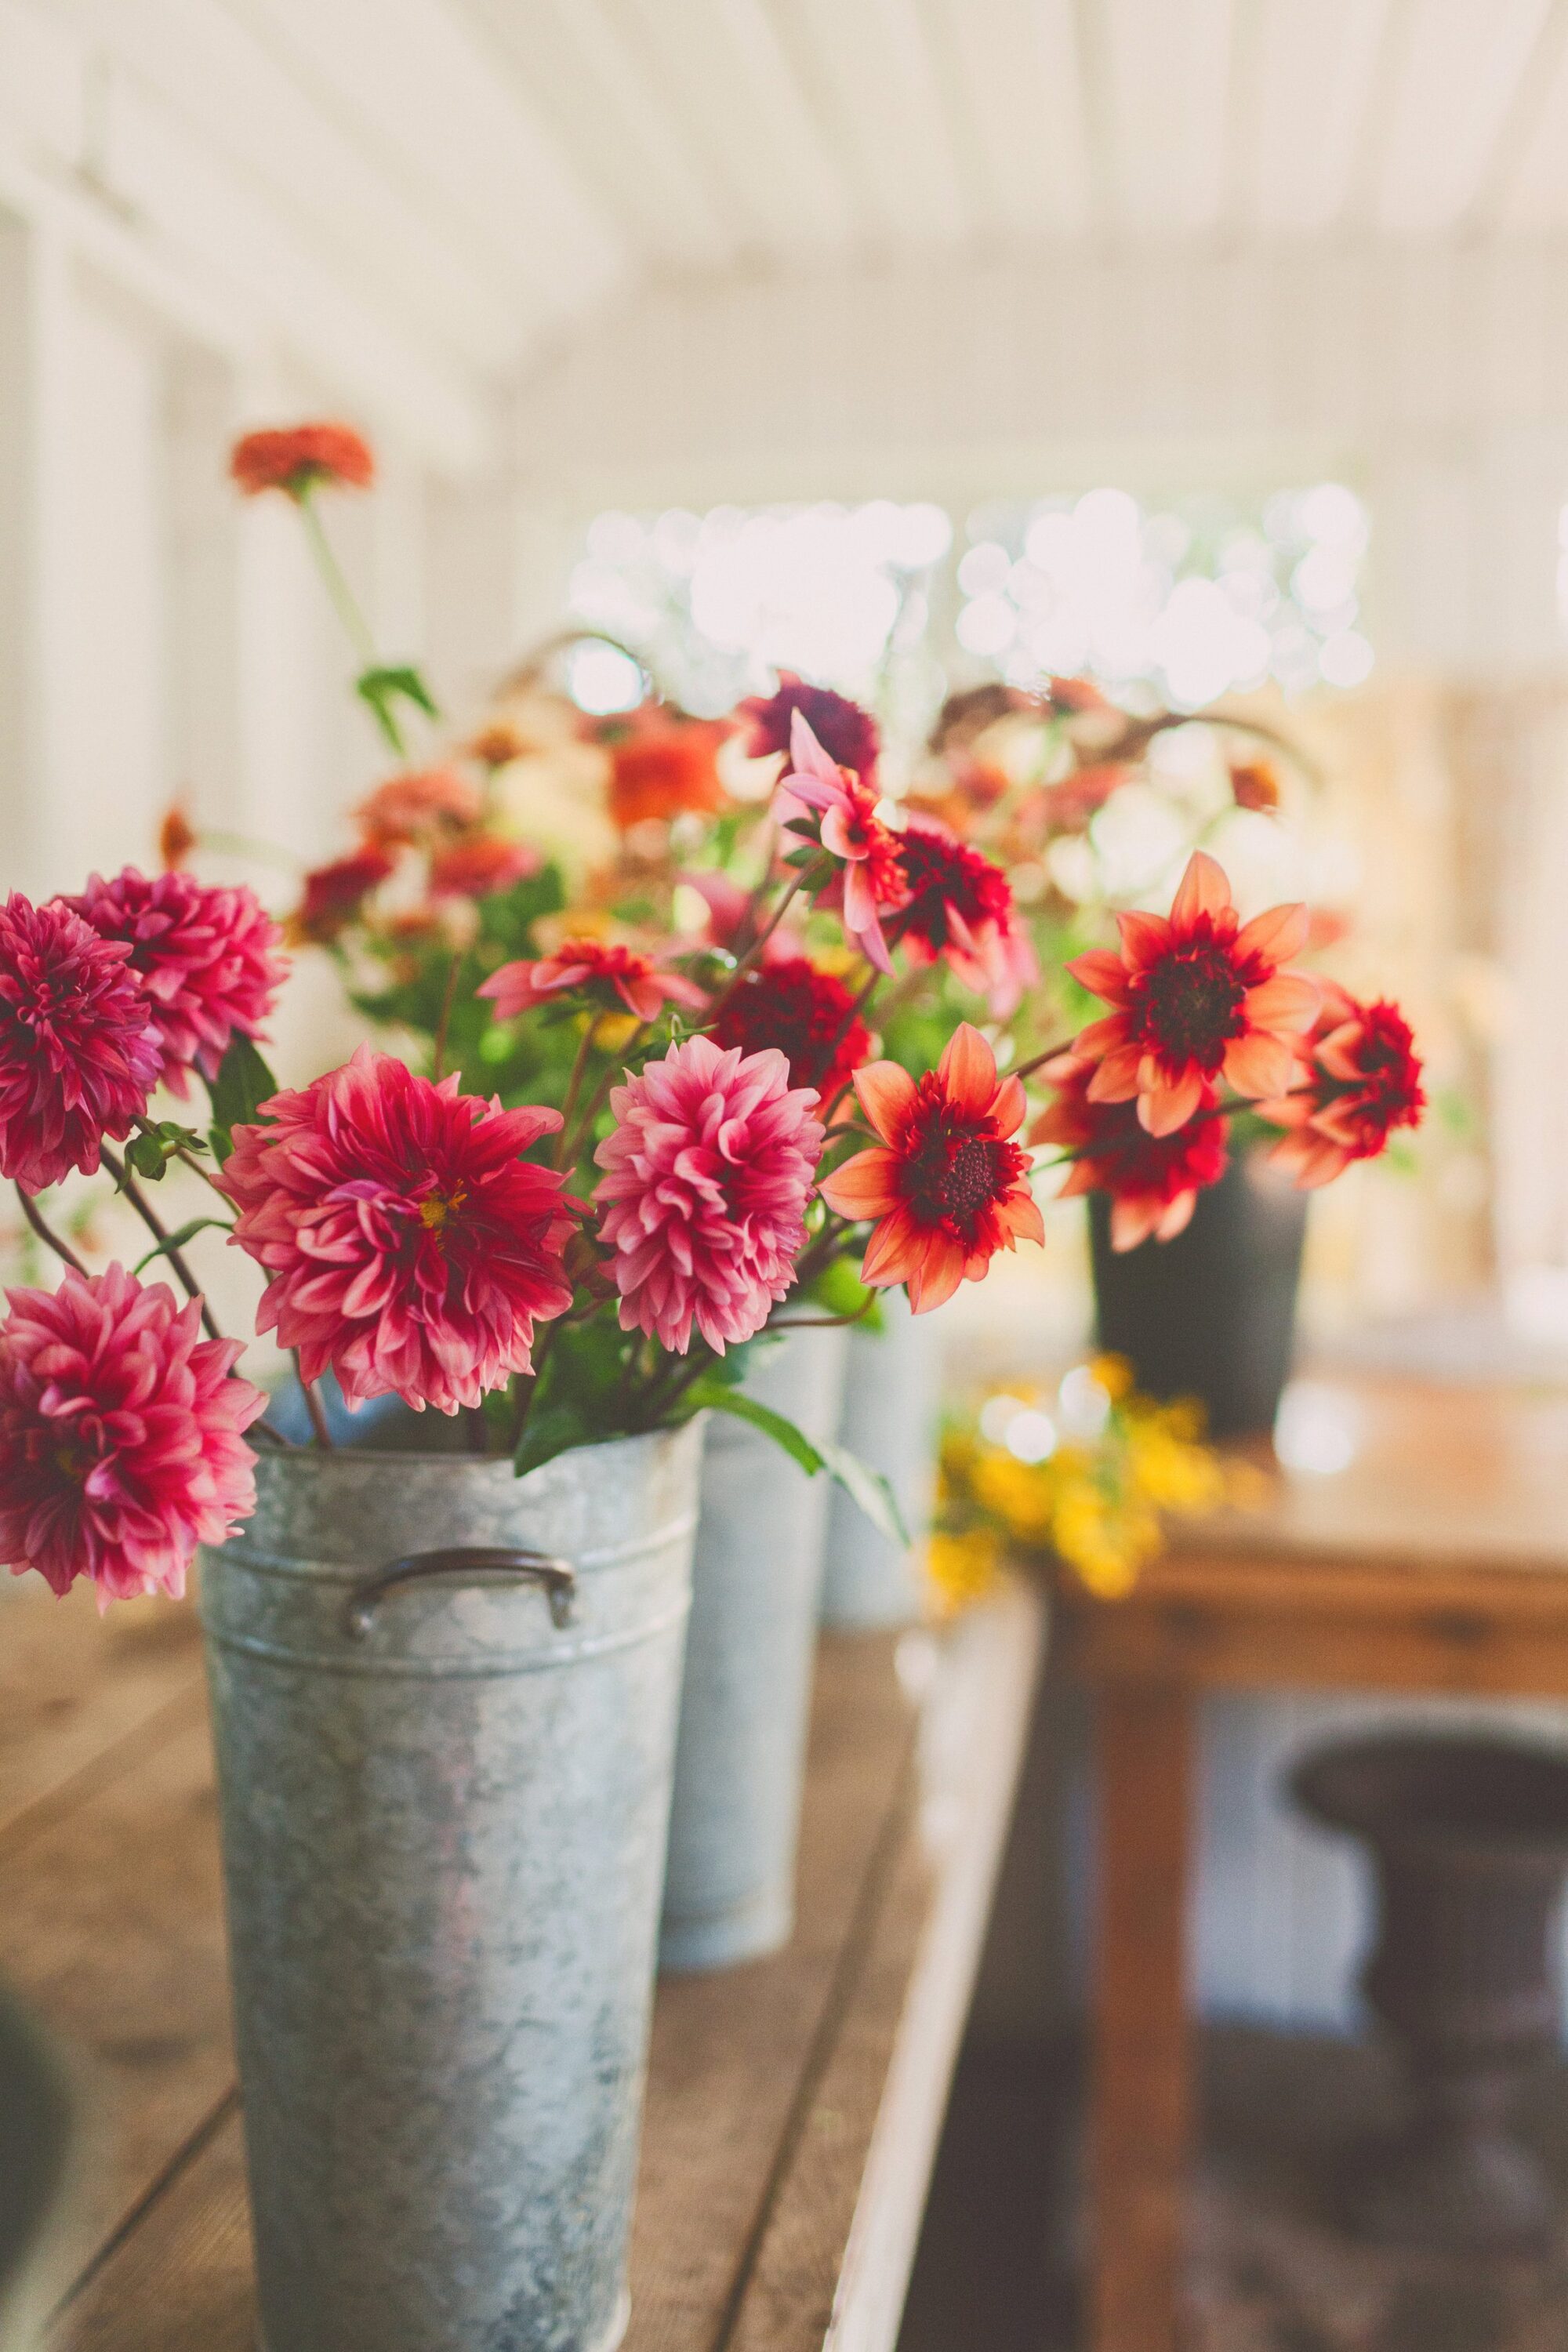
column 1435, row 1561
column 793, row 2105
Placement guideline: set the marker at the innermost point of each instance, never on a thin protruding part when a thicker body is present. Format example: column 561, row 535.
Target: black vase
column 1212, row 1314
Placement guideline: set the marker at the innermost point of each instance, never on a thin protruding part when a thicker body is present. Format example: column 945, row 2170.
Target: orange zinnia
column 1197, row 996
column 947, row 1186
column 295, row 458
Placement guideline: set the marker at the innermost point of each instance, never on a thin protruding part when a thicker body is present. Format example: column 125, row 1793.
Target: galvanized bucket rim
column 329, row 1461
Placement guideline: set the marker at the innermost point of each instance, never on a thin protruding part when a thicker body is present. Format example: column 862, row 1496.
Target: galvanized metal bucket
column 891, row 1402
column 445, row 1704
column 730, row 1891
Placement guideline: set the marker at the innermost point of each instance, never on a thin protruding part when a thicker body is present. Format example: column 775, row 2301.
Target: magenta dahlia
column 120, row 1435
column 78, row 1043
column 209, row 961
column 960, row 906
column 703, row 1199
column 845, row 732
column 808, row 1014
column 408, row 1244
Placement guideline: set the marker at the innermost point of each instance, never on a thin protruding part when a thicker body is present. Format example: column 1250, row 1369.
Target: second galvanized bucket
column 730, row 1893
column 445, row 1704
column 892, row 1398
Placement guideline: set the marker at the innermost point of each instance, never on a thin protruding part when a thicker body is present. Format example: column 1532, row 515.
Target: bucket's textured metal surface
column 730, row 1891
column 892, row 1396
column 444, row 1838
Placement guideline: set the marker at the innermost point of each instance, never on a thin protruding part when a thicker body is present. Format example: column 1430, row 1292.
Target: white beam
column 36, row 680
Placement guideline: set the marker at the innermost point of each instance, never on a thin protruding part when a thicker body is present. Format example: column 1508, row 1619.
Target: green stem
column 818, row 870
column 444, row 1024
column 160, row 1232
column 50, row 1239
column 573, row 1086
column 335, row 582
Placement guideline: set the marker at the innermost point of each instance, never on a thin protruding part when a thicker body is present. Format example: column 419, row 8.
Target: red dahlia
column 1198, row 996
column 335, row 893
column 295, row 458
column 809, row 1015
column 207, row 959
column 1153, row 1180
column 78, row 1043
column 947, row 1186
column 1364, row 1081
column 960, row 906
column 845, row 732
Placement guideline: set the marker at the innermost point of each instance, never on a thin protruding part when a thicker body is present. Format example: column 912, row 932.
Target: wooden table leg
column 1139, row 2100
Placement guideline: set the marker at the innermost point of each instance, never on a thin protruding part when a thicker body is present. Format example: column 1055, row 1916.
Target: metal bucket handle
column 467, row 1564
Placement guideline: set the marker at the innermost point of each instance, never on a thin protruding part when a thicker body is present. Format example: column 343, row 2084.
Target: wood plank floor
column 766, row 2083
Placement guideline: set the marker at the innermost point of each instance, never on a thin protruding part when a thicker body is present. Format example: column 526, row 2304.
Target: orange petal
column 938, row 1275
column 1081, row 1179
column 1204, row 890
column 865, row 1186
column 1020, row 1213
column 1178, row 1217
column 1143, row 938
column 1289, row 1001
column 886, row 1096
column 1132, row 1221
column 1163, row 1108
column 1116, row 1080
column 1259, row 1065
column 1009, row 1106
column 1103, row 973
column 1099, row 1037
column 1276, row 935
column 968, row 1071
column 894, row 1250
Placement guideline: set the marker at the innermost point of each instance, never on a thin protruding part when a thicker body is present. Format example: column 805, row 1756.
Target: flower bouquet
column 642, row 1125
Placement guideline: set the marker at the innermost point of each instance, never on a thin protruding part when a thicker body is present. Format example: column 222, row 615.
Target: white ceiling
column 461, row 180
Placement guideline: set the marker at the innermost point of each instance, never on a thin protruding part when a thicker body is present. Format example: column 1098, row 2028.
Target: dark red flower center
column 953, row 1171
column 1188, row 1005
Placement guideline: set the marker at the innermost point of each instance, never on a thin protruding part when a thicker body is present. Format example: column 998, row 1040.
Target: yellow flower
column 1018, row 1494
column 1113, row 1374
column 1172, row 1471
column 962, row 1569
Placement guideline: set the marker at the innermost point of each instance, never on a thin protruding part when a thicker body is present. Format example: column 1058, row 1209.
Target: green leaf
column 864, row 1487
column 554, row 1430
column 869, row 1489
column 243, row 1084
column 794, row 1441
column 383, row 690
column 188, row 1232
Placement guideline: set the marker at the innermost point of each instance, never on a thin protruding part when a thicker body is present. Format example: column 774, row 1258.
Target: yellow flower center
column 435, row 1209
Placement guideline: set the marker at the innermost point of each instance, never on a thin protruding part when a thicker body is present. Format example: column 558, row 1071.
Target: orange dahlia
column 1198, row 996
column 947, row 1186
column 294, row 459
column 1153, row 1180
column 662, row 763
column 1364, row 1081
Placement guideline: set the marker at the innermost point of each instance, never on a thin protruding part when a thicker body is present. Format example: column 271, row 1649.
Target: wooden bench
column 794, row 2106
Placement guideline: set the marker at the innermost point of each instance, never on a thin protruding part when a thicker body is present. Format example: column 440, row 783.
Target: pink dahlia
column 607, row 975
column 78, row 1043
column 703, row 1199
column 120, row 1435
column 209, row 961
column 871, row 877
column 407, row 1243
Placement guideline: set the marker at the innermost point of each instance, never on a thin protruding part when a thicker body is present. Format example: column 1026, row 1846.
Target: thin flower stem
column 574, row 1087
column 1037, row 1061
column 818, row 871
column 596, row 1101
column 445, row 1021
column 160, row 1232
column 50, row 1239
column 823, row 1322
column 188, row 1160
column 355, row 626
column 314, row 1407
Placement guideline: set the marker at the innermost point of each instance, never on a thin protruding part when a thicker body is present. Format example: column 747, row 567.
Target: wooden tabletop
column 793, row 2105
